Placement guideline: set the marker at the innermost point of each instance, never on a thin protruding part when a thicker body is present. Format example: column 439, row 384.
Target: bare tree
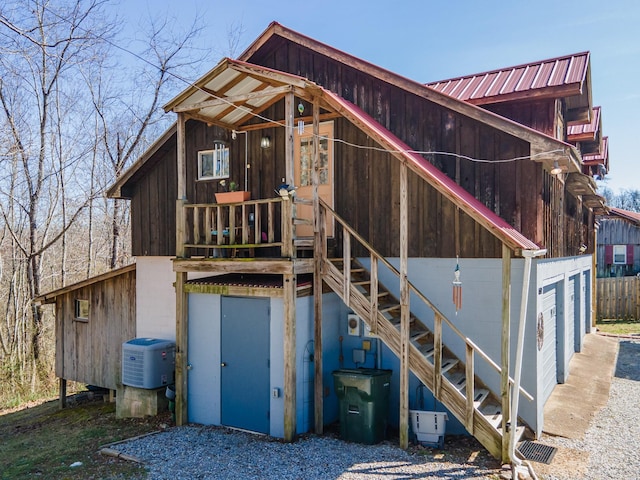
column 40, row 51
column 73, row 117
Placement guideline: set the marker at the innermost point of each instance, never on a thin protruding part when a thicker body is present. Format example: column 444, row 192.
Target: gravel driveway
column 612, row 441
column 610, row 447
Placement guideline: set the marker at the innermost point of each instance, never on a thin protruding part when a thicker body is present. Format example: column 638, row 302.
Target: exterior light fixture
column 265, row 142
column 556, row 170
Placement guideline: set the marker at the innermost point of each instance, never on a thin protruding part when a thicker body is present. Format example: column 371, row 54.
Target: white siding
column 155, row 298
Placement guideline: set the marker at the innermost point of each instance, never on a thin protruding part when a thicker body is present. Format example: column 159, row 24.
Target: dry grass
column 42, row 441
column 619, row 327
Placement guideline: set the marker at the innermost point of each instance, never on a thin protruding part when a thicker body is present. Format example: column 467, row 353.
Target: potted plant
column 233, row 195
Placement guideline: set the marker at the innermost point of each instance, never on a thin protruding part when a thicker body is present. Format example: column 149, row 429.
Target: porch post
column 182, row 186
column 317, row 279
column 289, row 345
column 404, row 310
column 506, row 332
column 182, row 342
column 289, row 114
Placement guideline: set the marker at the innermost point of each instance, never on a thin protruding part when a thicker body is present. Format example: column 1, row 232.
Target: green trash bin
column 363, row 394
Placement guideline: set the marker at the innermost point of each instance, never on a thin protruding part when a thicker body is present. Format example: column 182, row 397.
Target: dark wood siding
column 366, row 180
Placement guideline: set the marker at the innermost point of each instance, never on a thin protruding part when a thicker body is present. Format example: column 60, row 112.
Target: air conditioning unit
column 148, row 363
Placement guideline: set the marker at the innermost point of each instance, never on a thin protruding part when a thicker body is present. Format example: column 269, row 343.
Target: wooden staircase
column 452, row 380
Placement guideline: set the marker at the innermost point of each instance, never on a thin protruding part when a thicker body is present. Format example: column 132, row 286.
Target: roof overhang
column 567, row 77
column 117, row 190
column 544, row 148
column 51, row 297
column 235, row 92
column 585, row 187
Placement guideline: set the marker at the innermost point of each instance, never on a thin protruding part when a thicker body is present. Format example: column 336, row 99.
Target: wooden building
column 365, row 193
column 618, row 253
column 93, row 318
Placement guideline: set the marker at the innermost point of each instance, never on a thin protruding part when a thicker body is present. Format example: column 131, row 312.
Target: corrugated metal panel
column 568, row 71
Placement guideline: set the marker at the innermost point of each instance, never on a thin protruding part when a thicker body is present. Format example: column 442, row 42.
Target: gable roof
column 140, row 165
column 555, row 150
column 599, row 158
column 229, row 73
column 567, row 77
column 626, row 214
column 50, row 297
column 586, row 132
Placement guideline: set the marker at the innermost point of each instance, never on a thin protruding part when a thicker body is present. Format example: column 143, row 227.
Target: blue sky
column 434, row 40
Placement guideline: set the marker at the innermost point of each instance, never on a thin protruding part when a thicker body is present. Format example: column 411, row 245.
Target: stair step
column 458, row 380
column 480, row 396
column 425, row 349
column 448, row 364
column 493, row 414
column 361, row 282
column 389, row 308
column 519, row 432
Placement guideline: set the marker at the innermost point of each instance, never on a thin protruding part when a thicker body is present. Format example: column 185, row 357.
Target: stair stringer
column 476, row 423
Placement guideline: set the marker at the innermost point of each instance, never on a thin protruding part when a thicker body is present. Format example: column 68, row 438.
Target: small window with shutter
column 620, row 254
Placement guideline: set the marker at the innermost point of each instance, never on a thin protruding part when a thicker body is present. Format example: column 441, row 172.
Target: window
column 620, row 254
column 214, row 164
column 82, row 309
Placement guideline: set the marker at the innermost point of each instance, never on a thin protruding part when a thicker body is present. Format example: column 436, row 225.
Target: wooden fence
column 618, row 298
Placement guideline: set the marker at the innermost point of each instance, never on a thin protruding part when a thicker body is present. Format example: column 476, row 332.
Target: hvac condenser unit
column 148, row 362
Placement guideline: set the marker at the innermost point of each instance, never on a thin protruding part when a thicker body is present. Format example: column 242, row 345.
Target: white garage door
column 548, row 336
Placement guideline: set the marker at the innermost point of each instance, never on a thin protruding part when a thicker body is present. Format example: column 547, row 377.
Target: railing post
column 287, row 227
column 346, row 264
column 208, row 226
column 437, row 355
column 469, row 387
column 374, row 294
column 219, row 225
column 196, row 225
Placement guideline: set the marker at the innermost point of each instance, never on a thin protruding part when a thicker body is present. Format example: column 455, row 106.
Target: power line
column 246, row 110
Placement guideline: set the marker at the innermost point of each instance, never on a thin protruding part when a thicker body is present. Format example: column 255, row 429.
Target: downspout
column 515, row 391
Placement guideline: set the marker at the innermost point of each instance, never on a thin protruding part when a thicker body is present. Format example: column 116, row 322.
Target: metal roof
column 234, row 92
column 600, row 158
column 561, row 76
column 586, row 131
column 633, row 216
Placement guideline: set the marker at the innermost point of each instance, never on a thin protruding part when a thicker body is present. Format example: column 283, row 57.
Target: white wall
column 155, row 298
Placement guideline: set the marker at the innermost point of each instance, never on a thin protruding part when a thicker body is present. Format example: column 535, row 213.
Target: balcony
column 255, row 236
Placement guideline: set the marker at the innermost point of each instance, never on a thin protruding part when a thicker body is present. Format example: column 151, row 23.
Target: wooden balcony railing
column 254, row 224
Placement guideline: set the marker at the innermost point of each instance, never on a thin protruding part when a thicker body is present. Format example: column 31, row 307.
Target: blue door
column 244, row 362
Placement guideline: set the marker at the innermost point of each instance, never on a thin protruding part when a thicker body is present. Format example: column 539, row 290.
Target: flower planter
column 233, row 197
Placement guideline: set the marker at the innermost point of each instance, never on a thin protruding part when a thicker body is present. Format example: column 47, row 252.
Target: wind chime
column 300, row 122
column 457, row 287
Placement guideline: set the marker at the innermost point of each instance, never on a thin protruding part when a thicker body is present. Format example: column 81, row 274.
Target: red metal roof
column 586, row 131
column 546, row 77
column 601, row 157
column 629, row 215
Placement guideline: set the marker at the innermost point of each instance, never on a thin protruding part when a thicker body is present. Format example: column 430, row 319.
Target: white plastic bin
column 429, row 427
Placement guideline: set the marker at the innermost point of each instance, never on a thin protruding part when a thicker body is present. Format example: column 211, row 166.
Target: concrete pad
column 572, row 405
